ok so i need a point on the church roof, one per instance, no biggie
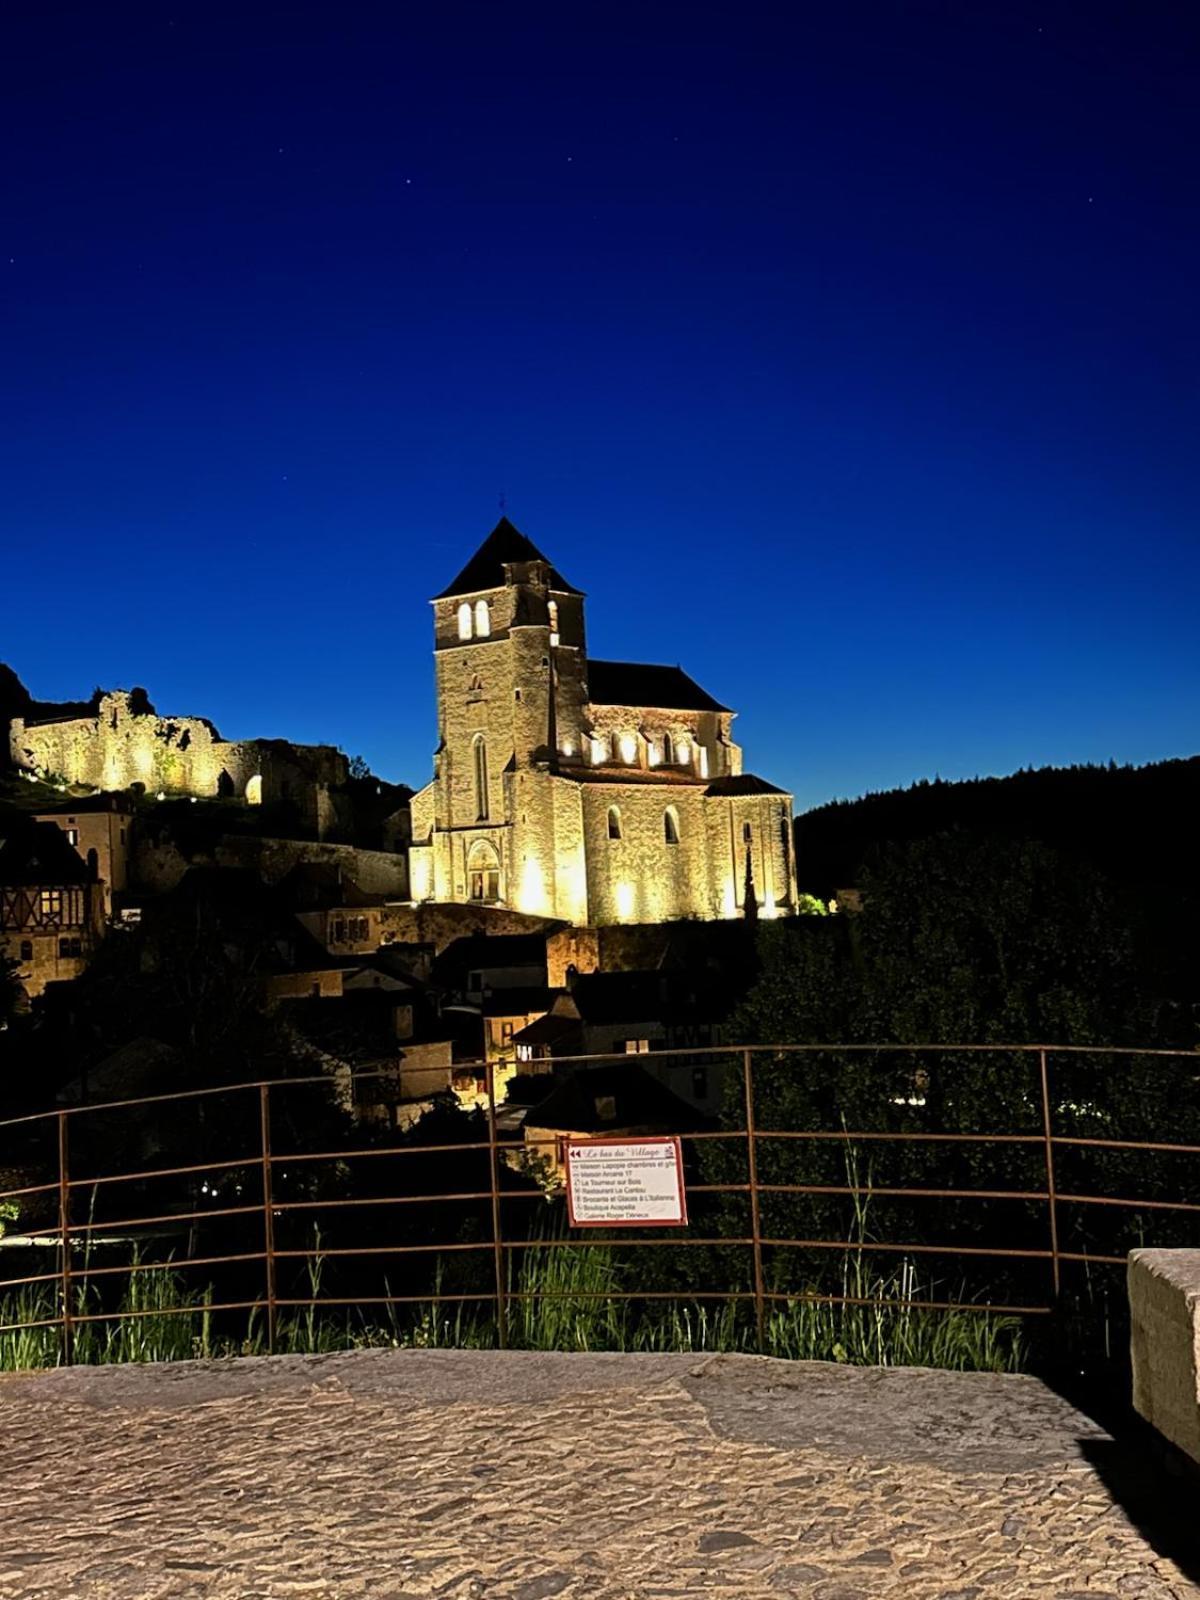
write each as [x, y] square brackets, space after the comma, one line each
[485, 570]
[743, 783]
[638, 683]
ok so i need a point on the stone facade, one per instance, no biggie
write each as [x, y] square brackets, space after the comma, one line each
[593, 792]
[126, 745]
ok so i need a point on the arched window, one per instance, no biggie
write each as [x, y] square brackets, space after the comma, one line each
[671, 825]
[552, 610]
[668, 750]
[464, 620]
[614, 822]
[483, 619]
[483, 873]
[600, 748]
[702, 752]
[479, 754]
[683, 752]
[254, 790]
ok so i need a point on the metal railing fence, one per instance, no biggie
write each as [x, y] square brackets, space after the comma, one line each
[54, 1145]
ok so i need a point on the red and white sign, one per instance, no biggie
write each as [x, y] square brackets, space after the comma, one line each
[625, 1183]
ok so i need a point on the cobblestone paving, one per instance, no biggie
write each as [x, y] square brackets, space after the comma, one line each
[397, 1475]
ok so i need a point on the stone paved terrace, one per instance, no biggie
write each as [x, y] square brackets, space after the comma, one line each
[394, 1475]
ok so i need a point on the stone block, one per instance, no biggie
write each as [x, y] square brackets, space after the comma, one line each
[1164, 1308]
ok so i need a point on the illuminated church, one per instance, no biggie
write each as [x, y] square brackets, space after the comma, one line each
[592, 791]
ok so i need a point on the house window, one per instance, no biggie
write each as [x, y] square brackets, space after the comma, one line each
[479, 751]
[337, 933]
[72, 835]
[637, 1047]
[614, 822]
[50, 905]
[464, 620]
[668, 750]
[70, 947]
[671, 825]
[26, 949]
[483, 619]
[552, 609]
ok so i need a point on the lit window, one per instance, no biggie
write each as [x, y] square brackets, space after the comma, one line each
[464, 620]
[653, 753]
[599, 749]
[72, 835]
[671, 825]
[628, 748]
[552, 609]
[702, 752]
[683, 752]
[614, 822]
[483, 620]
[637, 1047]
[50, 904]
[479, 748]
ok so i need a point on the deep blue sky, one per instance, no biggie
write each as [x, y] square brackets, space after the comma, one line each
[847, 354]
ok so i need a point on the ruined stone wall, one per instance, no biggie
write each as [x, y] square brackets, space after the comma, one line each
[127, 745]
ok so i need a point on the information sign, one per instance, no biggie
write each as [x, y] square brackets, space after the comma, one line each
[625, 1183]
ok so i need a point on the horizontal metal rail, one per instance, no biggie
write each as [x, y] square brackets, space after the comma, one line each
[77, 1281]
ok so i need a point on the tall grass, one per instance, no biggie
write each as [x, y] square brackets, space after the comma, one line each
[558, 1299]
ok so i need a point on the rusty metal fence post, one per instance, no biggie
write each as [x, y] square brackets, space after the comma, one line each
[264, 1111]
[64, 1229]
[755, 1225]
[1051, 1192]
[497, 1235]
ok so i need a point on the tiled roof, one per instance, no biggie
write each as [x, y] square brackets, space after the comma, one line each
[485, 570]
[33, 853]
[744, 783]
[605, 1099]
[639, 683]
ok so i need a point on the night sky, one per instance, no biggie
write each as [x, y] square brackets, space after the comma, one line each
[847, 354]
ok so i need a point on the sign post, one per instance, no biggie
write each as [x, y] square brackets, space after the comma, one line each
[626, 1183]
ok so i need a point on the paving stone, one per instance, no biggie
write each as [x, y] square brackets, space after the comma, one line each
[443, 1475]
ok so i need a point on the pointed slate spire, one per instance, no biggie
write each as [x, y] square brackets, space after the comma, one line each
[485, 570]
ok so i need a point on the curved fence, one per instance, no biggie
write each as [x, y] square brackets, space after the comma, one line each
[1006, 1181]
